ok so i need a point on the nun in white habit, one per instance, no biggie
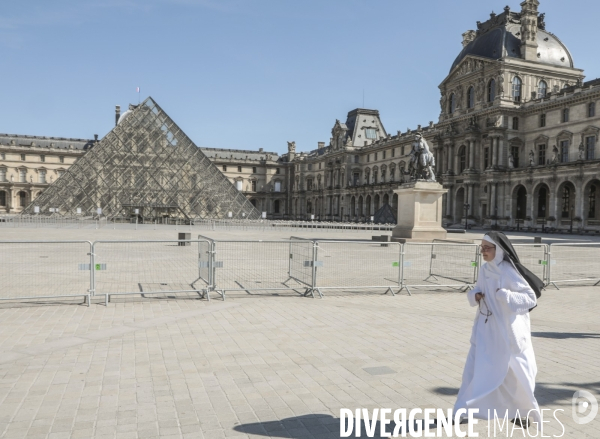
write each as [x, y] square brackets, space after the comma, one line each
[500, 370]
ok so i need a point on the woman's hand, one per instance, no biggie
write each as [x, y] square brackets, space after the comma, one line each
[479, 296]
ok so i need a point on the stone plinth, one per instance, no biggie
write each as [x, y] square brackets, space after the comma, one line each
[420, 211]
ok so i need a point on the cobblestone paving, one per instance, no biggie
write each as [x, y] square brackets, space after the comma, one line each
[264, 365]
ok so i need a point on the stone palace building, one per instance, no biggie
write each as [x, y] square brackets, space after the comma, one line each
[514, 144]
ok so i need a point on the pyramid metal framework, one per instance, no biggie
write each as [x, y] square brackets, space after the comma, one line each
[147, 163]
[385, 215]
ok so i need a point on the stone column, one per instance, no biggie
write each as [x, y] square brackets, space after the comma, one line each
[579, 201]
[529, 209]
[449, 202]
[446, 158]
[451, 158]
[552, 207]
[471, 189]
[493, 200]
[501, 154]
[471, 154]
[494, 152]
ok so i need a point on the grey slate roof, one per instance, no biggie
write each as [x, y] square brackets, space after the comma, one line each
[46, 142]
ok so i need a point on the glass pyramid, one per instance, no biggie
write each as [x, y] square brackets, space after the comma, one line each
[147, 163]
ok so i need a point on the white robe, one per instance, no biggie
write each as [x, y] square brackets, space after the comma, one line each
[500, 370]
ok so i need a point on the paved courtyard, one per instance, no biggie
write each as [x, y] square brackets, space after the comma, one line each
[262, 365]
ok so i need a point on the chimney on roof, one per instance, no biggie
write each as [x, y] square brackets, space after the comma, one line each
[95, 137]
[320, 145]
[117, 114]
[260, 150]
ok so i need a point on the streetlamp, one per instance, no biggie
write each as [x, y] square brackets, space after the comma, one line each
[571, 227]
[467, 206]
[544, 216]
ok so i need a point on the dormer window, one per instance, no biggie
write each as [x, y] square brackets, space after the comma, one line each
[370, 133]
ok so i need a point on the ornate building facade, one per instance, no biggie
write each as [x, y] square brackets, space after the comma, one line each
[515, 144]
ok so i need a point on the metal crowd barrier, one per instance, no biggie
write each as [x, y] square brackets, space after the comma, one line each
[52, 269]
[574, 262]
[148, 267]
[257, 266]
[42, 269]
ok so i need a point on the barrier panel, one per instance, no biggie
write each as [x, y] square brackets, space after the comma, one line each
[535, 258]
[357, 265]
[45, 269]
[439, 265]
[261, 266]
[579, 262]
[148, 267]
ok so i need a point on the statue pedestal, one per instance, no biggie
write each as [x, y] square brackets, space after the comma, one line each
[420, 211]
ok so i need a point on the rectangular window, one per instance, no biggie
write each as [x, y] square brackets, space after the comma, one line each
[543, 120]
[239, 185]
[368, 158]
[356, 159]
[486, 158]
[276, 170]
[43, 158]
[254, 169]
[393, 152]
[61, 158]
[375, 156]
[253, 185]
[224, 167]
[515, 153]
[384, 154]
[22, 176]
[590, 143]
[402, 151]
[356, 177]
[2, 156]
[42, 175]
[542, 154]
[22, 157]
[564, 151]
[515, 123]
[565, 115]
[310, 166]
[309, 184]
[239, 169]
[2, 198]
[319, 165]
[370, 133]
[591, 109]
[2, 174]
[277, 186]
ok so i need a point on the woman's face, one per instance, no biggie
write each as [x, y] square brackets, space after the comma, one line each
[488, 250]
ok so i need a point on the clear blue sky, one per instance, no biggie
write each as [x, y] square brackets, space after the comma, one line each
[245, 74]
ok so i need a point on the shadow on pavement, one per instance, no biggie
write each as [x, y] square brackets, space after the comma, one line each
[565, 335]
[315, 425]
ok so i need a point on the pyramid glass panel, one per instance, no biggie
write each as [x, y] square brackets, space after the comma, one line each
[147, 163]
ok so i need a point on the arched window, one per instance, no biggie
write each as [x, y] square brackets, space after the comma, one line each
[591, 202]
[566, 202]
[491, 90]
[542, 88]
[452, 104]
[2, 198]
[22, 199]
[471, 97]
[276, 206]
[516, 89]
[542, 198]
[462, 157]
